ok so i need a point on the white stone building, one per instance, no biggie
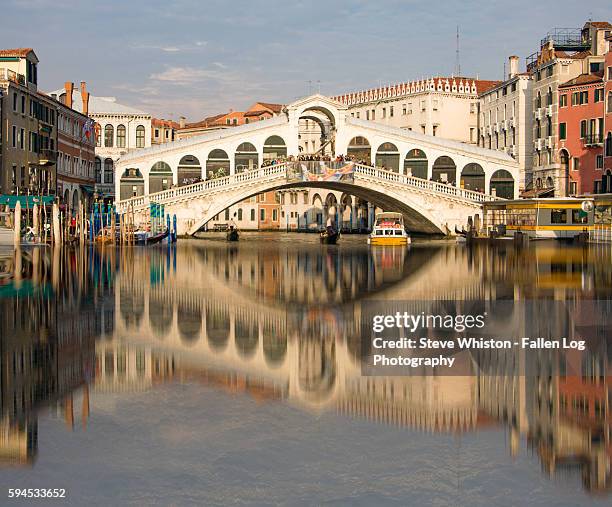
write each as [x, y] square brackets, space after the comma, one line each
[119, 130]
[505, 115]
[442, 106]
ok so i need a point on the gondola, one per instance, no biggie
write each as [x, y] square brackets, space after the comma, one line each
[330, 238]
[461, 232]
[232, 235]
[151, 240]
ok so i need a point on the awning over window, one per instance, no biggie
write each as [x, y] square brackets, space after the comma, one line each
[27, 201]
[88, 189]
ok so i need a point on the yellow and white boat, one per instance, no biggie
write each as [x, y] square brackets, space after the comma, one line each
[389, 230]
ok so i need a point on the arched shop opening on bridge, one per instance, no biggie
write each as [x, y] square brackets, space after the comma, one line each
[444, 170]
[359, 148]
[217, 164]
[502, 184]
[160, 177]
[415, 164]
[387, 157]
[189, 170]
[131, 184]
[246, 158]
[274, 147]
[473, 178]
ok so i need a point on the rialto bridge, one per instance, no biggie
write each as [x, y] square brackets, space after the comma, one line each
[436, 183]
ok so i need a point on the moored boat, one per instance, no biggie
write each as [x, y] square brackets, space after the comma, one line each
[389, 230]
[330, 237]
[232, 235]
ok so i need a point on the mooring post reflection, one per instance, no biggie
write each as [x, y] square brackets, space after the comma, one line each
[283, 323]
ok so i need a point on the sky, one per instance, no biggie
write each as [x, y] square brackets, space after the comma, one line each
[197, 58]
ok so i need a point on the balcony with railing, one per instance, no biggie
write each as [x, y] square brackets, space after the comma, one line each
[593, 139]
[47, 157]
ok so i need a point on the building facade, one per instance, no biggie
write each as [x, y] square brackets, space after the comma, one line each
[581, 133]
[28, 127]
[442, 106]
[162, 131]
[76, 154]
[564, 54]
[118, 130]
[505, 113]
[606, 184]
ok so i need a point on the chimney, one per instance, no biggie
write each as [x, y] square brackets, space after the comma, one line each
[182, 122]
[513, 66]
[69, 87]
[85, 98]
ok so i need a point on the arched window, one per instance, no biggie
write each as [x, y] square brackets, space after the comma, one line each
[217, 164]
[549, 97]
[121, 136]
[387, 157]
[274, 147]
[108, 171]
[246, 157]
[189, 170]
[473, 178]
[98, 170]
[131, 184]
[539, 100]
[444, 170]
[140, 136]
[609, 145]
[610, 102]
[239, 213]
[108, 136]
[502, 184]
[415, 164]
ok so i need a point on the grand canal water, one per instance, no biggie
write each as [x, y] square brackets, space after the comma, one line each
[215, 374]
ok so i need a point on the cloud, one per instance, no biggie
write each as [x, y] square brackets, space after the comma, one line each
[171, 48]
[190, 75]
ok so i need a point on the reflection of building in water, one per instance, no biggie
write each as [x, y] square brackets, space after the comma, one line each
[559, 399]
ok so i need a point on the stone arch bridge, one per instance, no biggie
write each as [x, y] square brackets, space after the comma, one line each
[436, 183]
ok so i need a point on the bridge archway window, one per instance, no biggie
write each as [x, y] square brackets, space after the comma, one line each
[387, 157]
[473, 177]
[359, 148]
[217, 164]
[131, 184]
[502, 184]
[274, 147]
[160, 177]
[415, 164]
[246, 158]
[189, 323]
[444, 170]
[189, 171]
[217, 328]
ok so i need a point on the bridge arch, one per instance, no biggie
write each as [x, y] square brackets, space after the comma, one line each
[189, 170]
[360, 149]
[387, 156]
[415, 163]
[502, 184]
[473, 177]
[246, 157]
[274, 147]
[217, 164]
[131, 183]
[160, 177]
[444, 170]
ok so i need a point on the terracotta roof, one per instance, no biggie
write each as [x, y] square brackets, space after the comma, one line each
[583, 79]
[277, 108]
[574, 56]
[206, 122]
[160, 122]
[256, 112]
[600, 24]
[18, 52]
[483, 86]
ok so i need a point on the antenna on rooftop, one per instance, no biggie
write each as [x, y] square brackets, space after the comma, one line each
[457, 61]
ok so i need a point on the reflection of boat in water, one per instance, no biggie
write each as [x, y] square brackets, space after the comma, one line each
[6, 236]
[330, 237]
[389, 230]
[232, 235]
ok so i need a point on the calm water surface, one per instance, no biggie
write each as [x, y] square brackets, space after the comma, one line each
[229, 374]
